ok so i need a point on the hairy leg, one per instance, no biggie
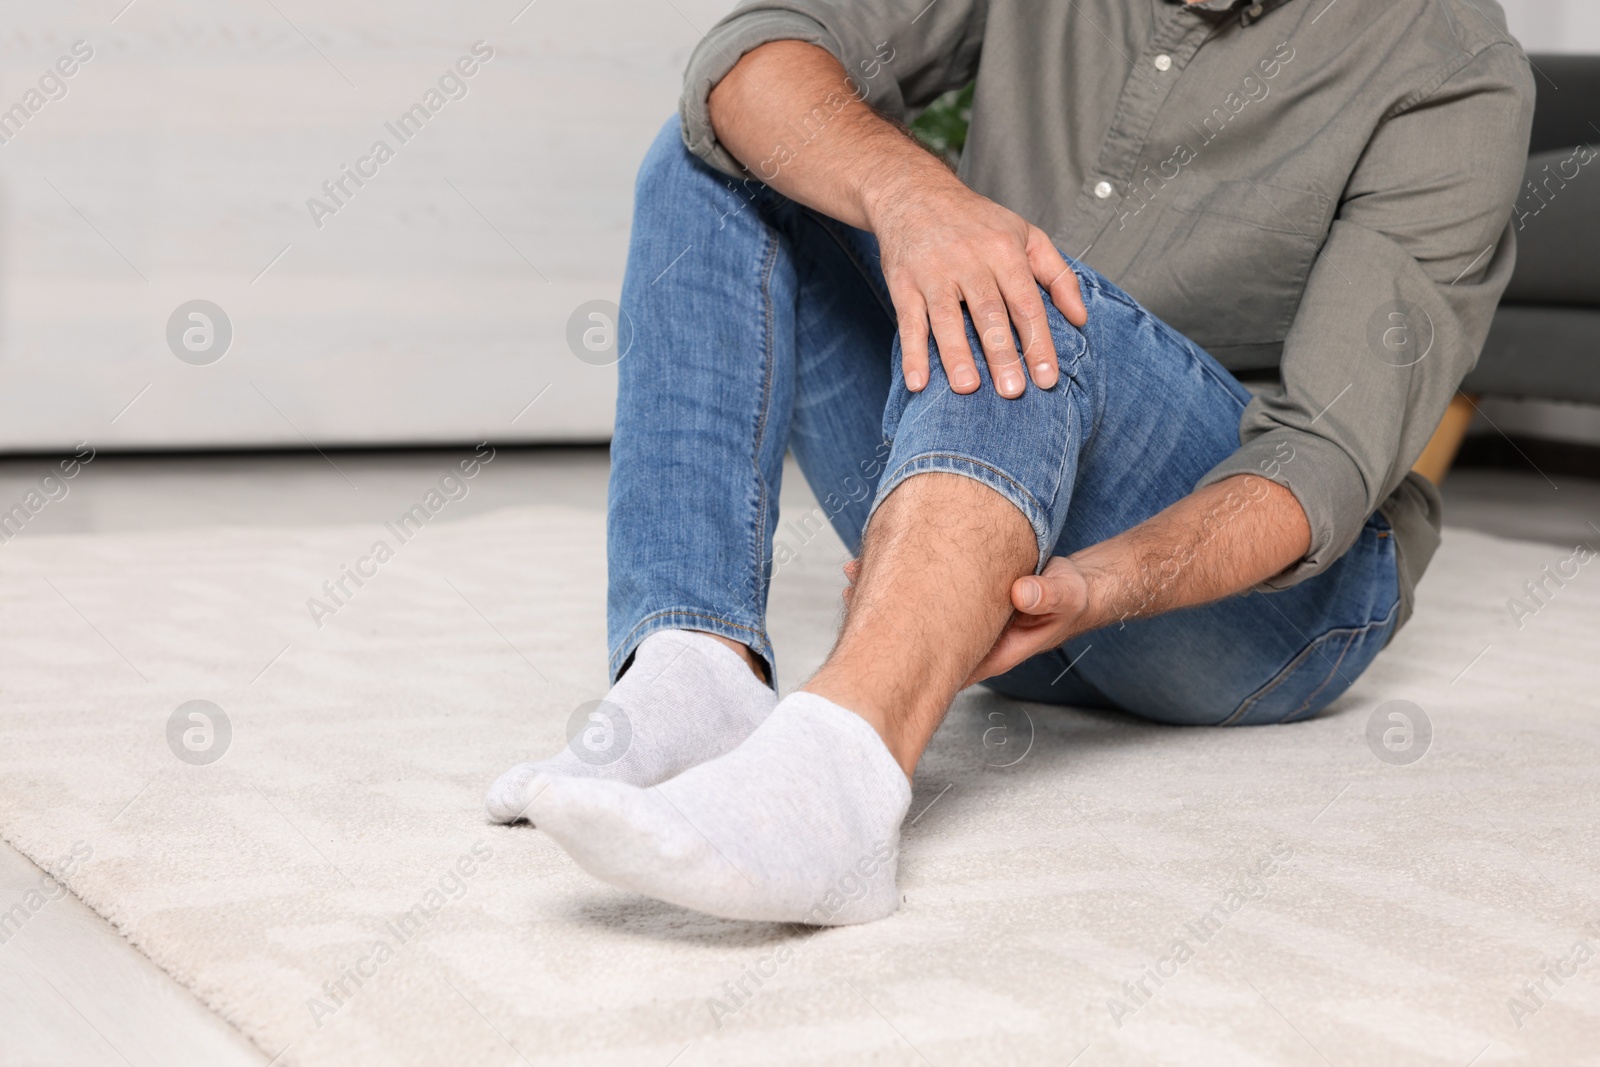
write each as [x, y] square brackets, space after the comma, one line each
[801, 823]
[932, 595]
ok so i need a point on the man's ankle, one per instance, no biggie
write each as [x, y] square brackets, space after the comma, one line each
[891, 728]
[757, 665]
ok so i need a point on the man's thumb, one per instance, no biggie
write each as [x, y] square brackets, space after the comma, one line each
[1032, 594]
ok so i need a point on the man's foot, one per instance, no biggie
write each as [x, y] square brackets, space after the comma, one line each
[686, 699]
[801, 823]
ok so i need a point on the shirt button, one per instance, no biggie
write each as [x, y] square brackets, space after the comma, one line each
[1255, 12]
[1102, 190]
[1163, 63]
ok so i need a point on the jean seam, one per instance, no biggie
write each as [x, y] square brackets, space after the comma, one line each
[758, 562]
[1352, 632]
[1349, 641]
[1067, 452]
[1283, 675]
[617, 657]
[1099, 402]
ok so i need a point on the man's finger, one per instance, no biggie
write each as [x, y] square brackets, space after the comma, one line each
[1036, 594]
[1056, 277]
[1013, 646]
[1060, 589]
[993, 324]
[950, 331]
[1027, 311]
[913, 323]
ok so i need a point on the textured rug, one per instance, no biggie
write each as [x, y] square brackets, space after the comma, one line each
[1396, 883]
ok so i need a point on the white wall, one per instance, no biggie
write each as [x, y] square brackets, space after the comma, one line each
[1554, 25]
[178, 166]
[433, 306]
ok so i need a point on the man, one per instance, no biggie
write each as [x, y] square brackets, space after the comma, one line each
[1072, 496]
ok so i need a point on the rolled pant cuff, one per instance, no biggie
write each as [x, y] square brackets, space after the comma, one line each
[980, 471]
[753, 636]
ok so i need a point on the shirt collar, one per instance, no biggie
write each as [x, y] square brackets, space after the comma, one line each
[1254, 10]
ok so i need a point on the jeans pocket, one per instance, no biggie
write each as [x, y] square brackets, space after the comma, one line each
[1317, 676]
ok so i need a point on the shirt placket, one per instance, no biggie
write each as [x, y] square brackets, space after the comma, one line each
[1175, 38]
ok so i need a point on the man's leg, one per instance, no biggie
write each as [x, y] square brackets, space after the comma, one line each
[801, 823]
[751, 325]
[932, 595]
[1170, 414]
[755, 327]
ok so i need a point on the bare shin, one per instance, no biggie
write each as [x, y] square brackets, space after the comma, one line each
[933, 593]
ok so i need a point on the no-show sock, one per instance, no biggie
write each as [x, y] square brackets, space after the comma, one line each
[801, 823]
[686, 699]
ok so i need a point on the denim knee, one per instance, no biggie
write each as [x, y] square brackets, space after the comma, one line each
[1026, 448]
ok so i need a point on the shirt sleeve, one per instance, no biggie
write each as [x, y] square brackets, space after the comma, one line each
[902, 53]
[1397, 305]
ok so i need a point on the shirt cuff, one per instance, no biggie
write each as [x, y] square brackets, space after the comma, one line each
[717, 54]
[1322, 477]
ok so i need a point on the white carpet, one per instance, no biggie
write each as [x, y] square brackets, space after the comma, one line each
[1415, 902]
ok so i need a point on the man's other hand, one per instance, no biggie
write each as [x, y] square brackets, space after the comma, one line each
[943, 246]
[1051, 608]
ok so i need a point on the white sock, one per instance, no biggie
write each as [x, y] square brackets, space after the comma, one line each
[801, 823]
[687, 698]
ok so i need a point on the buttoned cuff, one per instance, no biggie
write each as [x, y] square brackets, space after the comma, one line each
[1322, 477]
[717, 54]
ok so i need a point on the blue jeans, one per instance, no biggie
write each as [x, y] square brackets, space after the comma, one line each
[761, 327]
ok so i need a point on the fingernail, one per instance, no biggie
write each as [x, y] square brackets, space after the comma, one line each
[1031, 594]
[1044, 374]
[914, 381]
[965, 379]
[1011, 383]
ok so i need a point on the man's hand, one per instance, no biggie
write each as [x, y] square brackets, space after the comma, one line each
[942, 244]
[1215, 542]
[1052, 608]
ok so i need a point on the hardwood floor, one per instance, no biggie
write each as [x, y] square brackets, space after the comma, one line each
[73, 992]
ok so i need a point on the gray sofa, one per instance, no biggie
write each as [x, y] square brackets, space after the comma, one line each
[1545, 340]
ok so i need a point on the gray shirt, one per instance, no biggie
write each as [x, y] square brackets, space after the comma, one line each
[1320, 188]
